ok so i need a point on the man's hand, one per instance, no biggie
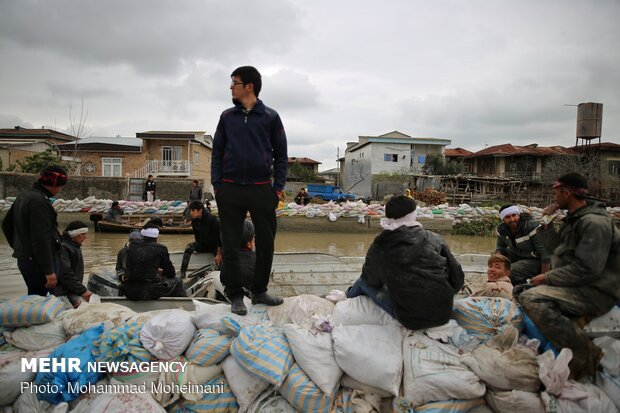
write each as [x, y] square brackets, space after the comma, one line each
[51, 281]
[281, 195]
[218, 259]
[86, 295]
[540, 279]
[544, 267]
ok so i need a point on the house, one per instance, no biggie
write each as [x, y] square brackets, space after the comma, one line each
[609, 163]
[19, 143]
[390, 153]
[310, 164]
[173, 153]
[512, 161]
[331, 175]
[103, 158]
[459, 155]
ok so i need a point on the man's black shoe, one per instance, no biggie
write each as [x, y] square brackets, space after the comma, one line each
[267, 299]
[237, 306]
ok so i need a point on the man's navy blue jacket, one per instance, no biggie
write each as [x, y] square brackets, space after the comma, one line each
[247, 145]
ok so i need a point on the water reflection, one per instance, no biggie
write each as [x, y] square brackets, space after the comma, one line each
[101, 248]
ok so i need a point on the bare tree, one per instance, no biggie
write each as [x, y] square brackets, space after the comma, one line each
[77, 127]
[584, 161]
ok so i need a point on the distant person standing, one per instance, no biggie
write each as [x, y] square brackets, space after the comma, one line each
[71, 269]
[249, 144]
[31, 228]
[195, 194]
[149, 189]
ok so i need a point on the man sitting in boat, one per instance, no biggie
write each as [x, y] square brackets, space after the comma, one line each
[114, 213]
[206, 229]
[584, 280]
[149, 273]
[518, 240]
[409, 271]
[71, 267]
[121, 257]
[247, 255]
[498, 279]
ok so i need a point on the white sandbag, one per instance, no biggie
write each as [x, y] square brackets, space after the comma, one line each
[314, 352]
[610, 385]
[515, 401]
[37, 337]
[595, 400]
[30, 310]
[300, 310]
[210, 315]
[351, 383]
[167, 335]
[503, 364]
[611, 354]
[88, 315]
[361, 310]
[172, 386]
[270, 402]
[371, 354]
[27, 402]
[435, 372]
[11, 374]
[608, 324]
[245, 386]
[124, 402]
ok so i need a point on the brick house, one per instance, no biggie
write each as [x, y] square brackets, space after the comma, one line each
[104, 159]
[19, 143]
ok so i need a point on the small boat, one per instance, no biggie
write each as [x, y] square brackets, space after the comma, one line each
[171, 223]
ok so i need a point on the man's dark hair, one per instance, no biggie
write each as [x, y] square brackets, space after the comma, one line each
[196, 205]
[248, 233]
[195, 181]
[398, 206]
[500, 258]
[150, 176]
[249, 74]
[154, 223]
[575, 180]
[115, 203]
[73, 225]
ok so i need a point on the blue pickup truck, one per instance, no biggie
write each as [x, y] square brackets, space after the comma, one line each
[330, 193]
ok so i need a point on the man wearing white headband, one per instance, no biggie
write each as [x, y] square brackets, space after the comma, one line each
[71, 268]
[149, 273]
[518, 240]
[409, 272]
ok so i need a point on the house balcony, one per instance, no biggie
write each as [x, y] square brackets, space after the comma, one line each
[164, 168]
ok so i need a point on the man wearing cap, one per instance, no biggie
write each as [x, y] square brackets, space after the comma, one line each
[584, 280]
[518, 240]
[149, 273]
[71, 268]
[31, 228]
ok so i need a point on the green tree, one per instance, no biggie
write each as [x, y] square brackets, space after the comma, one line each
[303, 174]
[436, 164]
[34, 163]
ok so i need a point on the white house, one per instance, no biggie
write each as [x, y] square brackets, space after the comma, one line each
[393, 152]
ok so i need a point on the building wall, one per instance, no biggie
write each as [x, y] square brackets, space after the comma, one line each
[131, 161]
[201, 164]
[153, 151]
[357, 171]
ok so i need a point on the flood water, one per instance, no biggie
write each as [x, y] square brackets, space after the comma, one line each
[100, 249]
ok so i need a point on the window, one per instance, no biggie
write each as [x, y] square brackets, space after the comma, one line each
[390, 157]
[112, 166]
[422, 159]
[614, 168]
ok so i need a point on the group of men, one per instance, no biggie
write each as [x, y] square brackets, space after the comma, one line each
[409, 272]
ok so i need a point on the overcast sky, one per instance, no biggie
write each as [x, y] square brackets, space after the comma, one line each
[476, 72]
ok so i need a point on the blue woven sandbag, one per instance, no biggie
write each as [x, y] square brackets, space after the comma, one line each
[483, 317]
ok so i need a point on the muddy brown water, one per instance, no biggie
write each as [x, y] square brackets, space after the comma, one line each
[100, 249]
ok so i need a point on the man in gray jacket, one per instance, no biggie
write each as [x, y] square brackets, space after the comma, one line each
[71, 268]
[584, 280]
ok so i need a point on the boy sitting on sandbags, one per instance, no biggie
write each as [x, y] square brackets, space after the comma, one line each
[409, 271]
[498, 279]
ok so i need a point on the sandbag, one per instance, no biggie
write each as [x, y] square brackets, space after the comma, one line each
[245, 386]
[515, 401]
[483, 317]
[435, 372]
[27, 402]
[124, 402]
[371, 354]
[610, 385]
[167, 335]
[211, 315]
[300, 310]
[270, 402]
[37, 337]
[314, 352]
[402, 405]
[608, 324]
[503, 364]
[121, 343]
[611, 354]
[263, 351]
[361, 310]
[356, 401]
[11, 374]
[171, 386]
[30, 310]
[303, 394]
[88, 315]
[2, 331]
[351, 383]
[595, 400]
[208, 347]
[221, 399]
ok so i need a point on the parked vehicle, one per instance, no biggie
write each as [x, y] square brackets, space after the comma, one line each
[330, 193]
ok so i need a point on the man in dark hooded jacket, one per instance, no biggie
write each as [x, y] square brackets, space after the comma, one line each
[409, 271]
[145, 261]
[71, 268]
[206, 228]
[584, 280]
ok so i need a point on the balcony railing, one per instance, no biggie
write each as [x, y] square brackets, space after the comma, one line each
[164, 168]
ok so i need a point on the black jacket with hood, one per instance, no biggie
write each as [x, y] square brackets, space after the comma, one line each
[142, 280]
[71, 268]
[421, 275]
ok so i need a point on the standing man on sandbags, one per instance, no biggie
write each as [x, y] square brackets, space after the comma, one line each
[31, 228]
[584, 280]
[150, 186]
[249, 144]
[518, 240]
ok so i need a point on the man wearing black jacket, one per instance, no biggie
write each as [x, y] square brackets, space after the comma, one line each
[149, 273]
[206, 229]
[249, 149]
[71, 268]
[409, 271]
[31, 228]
